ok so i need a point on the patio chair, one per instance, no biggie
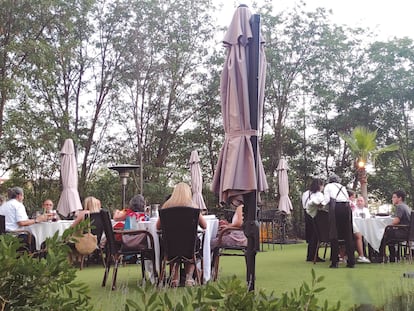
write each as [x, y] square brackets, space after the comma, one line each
[180, 240]
[115, 250]
[321, 225]
[222, 250]
[405, 239]
[29, 240]
[97, 229]
[2, 224]
[268, 220]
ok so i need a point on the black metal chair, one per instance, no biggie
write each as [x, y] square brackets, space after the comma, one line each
[403, 236]
[2, 224]
[270, 223]
[115, 250]
[97, 229]
[24, 235]
[180, 239]
[222, 250]
[321, 225]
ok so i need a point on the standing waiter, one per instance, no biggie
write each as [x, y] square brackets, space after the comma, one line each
[340, 220]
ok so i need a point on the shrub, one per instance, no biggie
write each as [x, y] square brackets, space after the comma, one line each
[231, 294]
[29, 283]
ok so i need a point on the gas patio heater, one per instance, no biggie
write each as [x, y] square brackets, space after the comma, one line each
[123, 171]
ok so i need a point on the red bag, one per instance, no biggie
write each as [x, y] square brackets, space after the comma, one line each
[118, 226]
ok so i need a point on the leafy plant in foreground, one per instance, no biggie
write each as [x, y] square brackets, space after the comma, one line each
[230, 294]
[29, 283]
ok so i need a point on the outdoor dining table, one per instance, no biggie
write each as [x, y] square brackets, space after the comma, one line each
[43, 230]
[372, 229]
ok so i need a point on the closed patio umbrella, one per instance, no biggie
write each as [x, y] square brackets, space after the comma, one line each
[239, 170]
[69, 200]
[197, 180]
[285, 205]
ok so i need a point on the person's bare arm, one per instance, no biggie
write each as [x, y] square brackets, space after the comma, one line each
[29, 222]
[79, 218]
[396, 221]
[237, 220]
[202, 222]
[120, 215]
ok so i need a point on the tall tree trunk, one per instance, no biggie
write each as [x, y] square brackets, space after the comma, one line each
[363, 181]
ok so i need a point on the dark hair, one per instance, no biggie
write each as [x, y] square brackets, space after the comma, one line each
[12, 193]
[315, 185]
[351, 193]
[400, 193]
[137, 203]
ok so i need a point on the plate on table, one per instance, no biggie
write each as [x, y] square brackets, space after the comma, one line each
[382, 215]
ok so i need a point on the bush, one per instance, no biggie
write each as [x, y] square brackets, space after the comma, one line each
[29, 283]
[230, 294]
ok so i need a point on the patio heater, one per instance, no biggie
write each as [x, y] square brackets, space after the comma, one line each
[123, 171]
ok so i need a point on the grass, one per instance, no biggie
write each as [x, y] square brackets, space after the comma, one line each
[278, 270]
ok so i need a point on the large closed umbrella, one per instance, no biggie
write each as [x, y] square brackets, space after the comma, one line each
[69, 200]
[285, 205]
[197, 180]
[239, 169]
[235, 171]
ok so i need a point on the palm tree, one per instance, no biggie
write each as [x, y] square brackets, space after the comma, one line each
[363, 146]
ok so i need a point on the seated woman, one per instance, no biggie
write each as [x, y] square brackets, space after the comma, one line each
[136, 204]
[182, 196]
[91, 209]
[91, 205]
[233, 237]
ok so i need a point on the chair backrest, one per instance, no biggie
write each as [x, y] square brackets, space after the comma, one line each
[179, 231]
[2, 224]
[321, 224]
[411, 230]
[96, 224]
[109, 232]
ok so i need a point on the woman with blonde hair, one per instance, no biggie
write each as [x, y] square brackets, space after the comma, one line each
[91, 205]
[182, 196]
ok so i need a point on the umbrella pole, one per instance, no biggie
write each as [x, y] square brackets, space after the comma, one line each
[251, 230]
[251, 226]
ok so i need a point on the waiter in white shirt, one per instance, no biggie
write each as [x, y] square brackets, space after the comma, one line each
[341, 219]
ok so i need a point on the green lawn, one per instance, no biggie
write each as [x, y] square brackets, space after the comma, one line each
[277, 270]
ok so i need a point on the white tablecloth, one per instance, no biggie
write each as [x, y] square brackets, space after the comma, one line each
[43, 230]
[210, 233]
[372, 229]
[151, 227]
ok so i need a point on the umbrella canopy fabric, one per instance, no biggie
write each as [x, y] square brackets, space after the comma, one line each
[235, 172]
[69, 200]
[196, 180]
[285, 205]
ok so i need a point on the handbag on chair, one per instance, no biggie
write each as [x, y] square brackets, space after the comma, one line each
[87, 243]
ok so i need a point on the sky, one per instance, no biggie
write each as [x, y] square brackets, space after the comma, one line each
[386, 18]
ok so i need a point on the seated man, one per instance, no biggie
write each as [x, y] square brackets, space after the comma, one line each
[16, 216]
[47, 207]
[401, 217]
[360, 211]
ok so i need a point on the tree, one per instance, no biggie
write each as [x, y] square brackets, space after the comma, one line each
[362, 144]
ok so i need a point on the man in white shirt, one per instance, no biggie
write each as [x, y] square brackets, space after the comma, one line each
[16, 216]
[340, 219]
